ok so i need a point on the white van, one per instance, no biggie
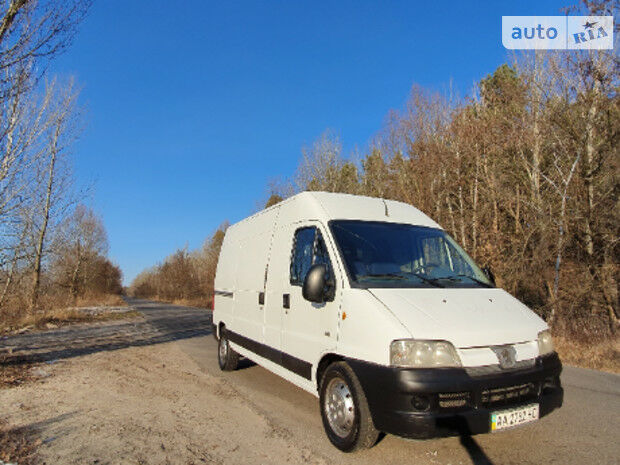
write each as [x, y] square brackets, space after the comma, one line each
[371, 306]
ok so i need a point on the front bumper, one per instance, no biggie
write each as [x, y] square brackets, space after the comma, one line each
[425, 403]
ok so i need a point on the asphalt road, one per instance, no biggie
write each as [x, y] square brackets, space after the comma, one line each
[586, 430]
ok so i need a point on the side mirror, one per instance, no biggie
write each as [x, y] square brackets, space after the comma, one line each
[489, 274]
[315, 283]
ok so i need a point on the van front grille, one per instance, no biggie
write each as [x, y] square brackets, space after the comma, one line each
[454, 400]
[509, 394]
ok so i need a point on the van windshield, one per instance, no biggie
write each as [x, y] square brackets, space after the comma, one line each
[379, 254]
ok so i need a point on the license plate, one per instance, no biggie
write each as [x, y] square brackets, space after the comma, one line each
[510, 418]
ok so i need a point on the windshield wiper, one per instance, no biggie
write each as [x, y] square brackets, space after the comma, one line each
[399, 276]
[462, 275]
[383, 275]
[431, 281]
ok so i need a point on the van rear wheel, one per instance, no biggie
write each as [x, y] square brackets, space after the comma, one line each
[227, 358]
[344, 410]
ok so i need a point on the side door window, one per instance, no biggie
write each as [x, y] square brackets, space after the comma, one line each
[308, 249]
[303, 250]
[321, 256]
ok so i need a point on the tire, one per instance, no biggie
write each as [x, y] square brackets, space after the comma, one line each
[227, 358]
[344, 410]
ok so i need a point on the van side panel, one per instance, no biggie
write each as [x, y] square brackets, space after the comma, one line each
[248, 319]
[277, 286]
[225, 278]
[254, 238]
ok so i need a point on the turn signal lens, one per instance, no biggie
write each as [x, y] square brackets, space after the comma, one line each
[423, 354]
[545, 343]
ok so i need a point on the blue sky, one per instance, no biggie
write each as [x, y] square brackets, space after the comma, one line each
[192, 107]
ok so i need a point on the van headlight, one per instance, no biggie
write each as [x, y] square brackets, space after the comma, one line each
[545, 343]
[423, 354]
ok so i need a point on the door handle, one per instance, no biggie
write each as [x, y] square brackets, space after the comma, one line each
[286, 300]
[261, 298]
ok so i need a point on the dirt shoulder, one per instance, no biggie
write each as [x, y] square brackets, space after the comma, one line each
[142, 405]
[76, 332]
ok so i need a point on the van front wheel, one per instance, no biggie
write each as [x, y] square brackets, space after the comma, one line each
[344, 409]
[227, 358]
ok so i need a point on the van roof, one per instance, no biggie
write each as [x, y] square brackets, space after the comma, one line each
[326, 206]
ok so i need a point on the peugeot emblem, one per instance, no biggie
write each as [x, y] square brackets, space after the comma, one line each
[506, 355]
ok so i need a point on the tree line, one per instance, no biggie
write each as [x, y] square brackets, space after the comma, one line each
[523, 173]
[52, 248]
[185, 276]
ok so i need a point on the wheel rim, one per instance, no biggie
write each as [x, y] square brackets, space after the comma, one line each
[223, 349]
[339, 407]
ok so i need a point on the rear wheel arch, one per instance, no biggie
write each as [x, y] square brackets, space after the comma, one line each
[220, 327]
[227, 358]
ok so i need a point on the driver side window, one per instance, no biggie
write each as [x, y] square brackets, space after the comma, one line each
[301, 259]
[308, 249]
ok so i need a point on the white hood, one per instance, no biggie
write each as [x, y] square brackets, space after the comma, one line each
[466, 317]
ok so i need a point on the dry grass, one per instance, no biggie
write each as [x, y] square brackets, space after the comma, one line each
[197, 302]
[55, 317]
[14, 375]
[108, 300]
[201, 302]
[603, 356]
[17, 445]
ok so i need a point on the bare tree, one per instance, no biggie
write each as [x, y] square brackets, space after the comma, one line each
[323, 168]
[185, 276]
[561, 186]
[31, 33]
[24, 118]
[55, 185]
[34, 31]
[80, 241]
[36, 128]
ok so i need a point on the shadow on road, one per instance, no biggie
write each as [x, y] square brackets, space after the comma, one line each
[477, 455]
[162, 323]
